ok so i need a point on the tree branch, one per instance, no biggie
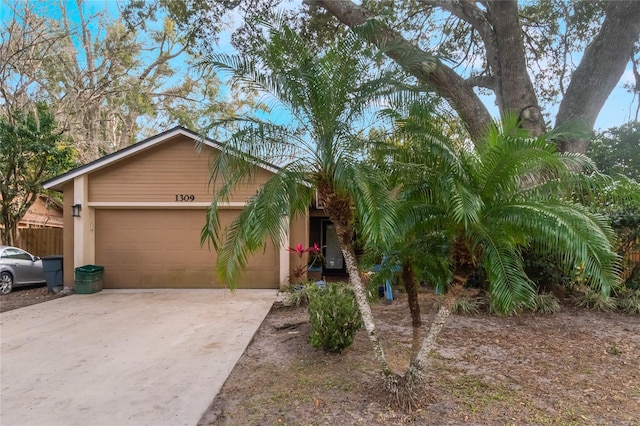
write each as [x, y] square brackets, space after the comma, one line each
[443, 79]
[600, 69]
[488, 82]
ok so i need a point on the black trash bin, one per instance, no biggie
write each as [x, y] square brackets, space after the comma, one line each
[88, 279]
[53, 272]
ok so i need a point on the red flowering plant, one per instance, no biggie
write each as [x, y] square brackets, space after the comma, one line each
[315, 256]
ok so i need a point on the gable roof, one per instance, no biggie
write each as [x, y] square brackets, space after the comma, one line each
[57, 182]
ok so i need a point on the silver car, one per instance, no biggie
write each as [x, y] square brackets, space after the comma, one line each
[17, 267]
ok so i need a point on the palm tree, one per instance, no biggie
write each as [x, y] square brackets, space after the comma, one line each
[490, 203]
[509, 194]
[329, 96]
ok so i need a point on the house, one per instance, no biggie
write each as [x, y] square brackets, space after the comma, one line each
[139, 213]
[44, 212]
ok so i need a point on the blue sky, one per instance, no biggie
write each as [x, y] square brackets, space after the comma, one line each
[620, 107]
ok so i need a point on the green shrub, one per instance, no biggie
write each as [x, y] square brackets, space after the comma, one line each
[300, 295]
[466, 306]
[546, 303]
[633, 281]
[546, 271]
[629, 301]
[334, 316]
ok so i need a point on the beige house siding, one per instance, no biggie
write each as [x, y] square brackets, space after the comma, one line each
[68, 235]
[164, 174]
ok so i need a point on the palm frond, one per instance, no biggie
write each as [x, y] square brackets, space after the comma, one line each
[464, 204]
[510, 288]
[263, 220]
[260, 141]
[375, 205]
[582, 238]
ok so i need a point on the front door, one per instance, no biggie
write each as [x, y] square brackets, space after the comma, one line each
[334, 262]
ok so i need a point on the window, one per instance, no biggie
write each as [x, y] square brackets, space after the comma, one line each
[12, 253]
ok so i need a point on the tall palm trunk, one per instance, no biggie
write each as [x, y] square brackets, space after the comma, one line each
[339, 209]
[411, 287]
[403, 387]
[390, 378]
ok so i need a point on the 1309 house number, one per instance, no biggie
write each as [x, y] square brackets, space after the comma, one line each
[185, 197]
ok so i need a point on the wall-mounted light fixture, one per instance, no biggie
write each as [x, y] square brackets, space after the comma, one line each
[75, 210]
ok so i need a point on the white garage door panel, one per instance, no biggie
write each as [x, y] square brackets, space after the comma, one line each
[161, 249]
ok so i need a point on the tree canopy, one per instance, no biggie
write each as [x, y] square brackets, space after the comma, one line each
[531, 56]
[108, 83]
[511, 39]
[32, 149]
[617, 150]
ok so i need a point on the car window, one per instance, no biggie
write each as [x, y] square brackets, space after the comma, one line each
[12, 253]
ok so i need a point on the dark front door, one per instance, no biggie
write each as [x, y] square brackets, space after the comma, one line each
[334, 262]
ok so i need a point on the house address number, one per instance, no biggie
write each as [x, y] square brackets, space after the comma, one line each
[185, 197]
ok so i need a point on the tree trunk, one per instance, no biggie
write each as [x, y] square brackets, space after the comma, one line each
[601, 66]
[6, 234]
[338, 208]
[411, 287]
[600, 69]
[415, 372]
[514, 89]
[366, 313]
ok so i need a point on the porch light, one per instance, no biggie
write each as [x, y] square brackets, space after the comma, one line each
[75, 210]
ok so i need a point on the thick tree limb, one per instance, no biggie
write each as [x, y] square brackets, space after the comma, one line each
[443, 79]
[514, 89]
[600, 69]
[474, 16]
[482, 81]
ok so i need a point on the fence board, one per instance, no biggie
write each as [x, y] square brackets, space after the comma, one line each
[41, 241]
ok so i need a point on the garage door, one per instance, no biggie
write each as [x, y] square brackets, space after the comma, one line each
[161, 249]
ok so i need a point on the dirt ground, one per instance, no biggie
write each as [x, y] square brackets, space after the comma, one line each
[576, 367]
[25, 296]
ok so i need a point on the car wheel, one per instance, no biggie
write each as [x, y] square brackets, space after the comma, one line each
[6, 283]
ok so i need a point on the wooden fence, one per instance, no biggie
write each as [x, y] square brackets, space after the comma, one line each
[41, 241]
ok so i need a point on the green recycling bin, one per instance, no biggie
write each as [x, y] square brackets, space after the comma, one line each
[88, 279]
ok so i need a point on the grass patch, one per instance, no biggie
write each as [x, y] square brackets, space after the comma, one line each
[629, 302]
[466, 306]
[595, 301]
[546, 303]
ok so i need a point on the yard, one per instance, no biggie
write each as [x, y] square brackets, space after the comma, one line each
[25, 296]
[574, 367]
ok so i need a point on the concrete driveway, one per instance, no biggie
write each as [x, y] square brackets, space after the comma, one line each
[124, 357]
